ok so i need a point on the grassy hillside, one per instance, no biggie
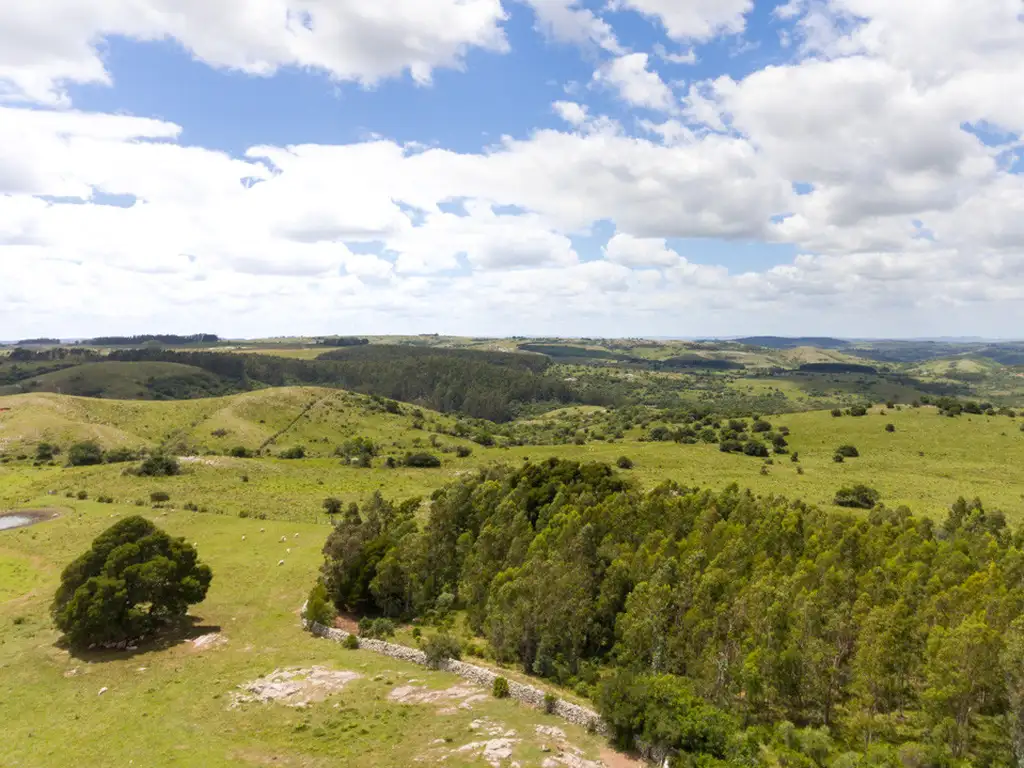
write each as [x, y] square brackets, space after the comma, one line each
[131, 380]
[926, 463]
[172, 705]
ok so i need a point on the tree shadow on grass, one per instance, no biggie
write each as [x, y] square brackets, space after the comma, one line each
[184, 630]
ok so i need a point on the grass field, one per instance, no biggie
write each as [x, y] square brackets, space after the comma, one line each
[926, 463]
[170, 706]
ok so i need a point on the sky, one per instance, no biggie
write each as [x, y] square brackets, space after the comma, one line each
[612, 168]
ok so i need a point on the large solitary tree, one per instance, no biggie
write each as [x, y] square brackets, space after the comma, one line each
[132, 580]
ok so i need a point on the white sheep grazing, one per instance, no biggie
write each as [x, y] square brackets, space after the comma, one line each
[284, 539]
[263, 530]
[243, 538]
[280, 562]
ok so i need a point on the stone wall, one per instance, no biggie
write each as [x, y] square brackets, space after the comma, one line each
[527, 694]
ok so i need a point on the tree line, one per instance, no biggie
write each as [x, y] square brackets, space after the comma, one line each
[484, 385]
[707, 622]
[159, 338]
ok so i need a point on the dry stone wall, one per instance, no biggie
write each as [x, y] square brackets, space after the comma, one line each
[527, 694]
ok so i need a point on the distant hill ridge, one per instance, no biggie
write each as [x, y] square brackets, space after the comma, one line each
[784, 342]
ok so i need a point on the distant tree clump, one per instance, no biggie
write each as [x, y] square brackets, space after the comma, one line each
[421, 460]
[120, 456]
[85, 454]
[836, 412]
[46, 451]
[848, 451]
[159, 465]
[295, 452]
[755, 448]
[132, 580]
[859, 496]
[332, 508]
[463, 451]
[859, 410]
[624, 462]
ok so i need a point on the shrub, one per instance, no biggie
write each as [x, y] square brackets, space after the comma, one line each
[859, 496]
[245, 478]
[890, 404]
[624, 462]
[838, 458]
[120, 456]
[500, 688]
[95, 605]
[890, 427]
[240, 452]
[318, 607]
[159, 497]
[351, 642]
[82, 495]
[46, 451]
[795, 458]
[848, 451]
[85, 454]
[550, 700]
[463, 451]
[858, 410]
[760, 426]
[730, 446]
[422, 460]
[836, 413]
[440, 648]
[376, 628]
[160, 465]
[755, 448]
[296, 452]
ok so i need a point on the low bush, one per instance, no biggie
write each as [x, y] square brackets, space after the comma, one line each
[859, 496]
[85, 454]
[440, 648]
[296, 452]
[463, 451]
[858, 410]
[240, 452]
[318, 606]
[159, 497]
[550, 701]
[849, 451]
[82, 495]
[836, 413]
[377, 629]
[160, 465]
[500, 688]
[351, 642]
[890, 427]
[120, 456]
[422, 460]
[624, 462]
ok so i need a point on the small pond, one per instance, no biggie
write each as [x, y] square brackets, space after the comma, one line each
[16, 521]
[28, 517]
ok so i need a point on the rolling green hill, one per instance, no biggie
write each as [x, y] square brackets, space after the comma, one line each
[127, 380]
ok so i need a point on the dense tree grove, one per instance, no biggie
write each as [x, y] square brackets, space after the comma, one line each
[749, 630]
[485, 385]
[148, 338]
[133, 579]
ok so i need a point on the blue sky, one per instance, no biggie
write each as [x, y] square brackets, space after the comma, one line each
[659, 167]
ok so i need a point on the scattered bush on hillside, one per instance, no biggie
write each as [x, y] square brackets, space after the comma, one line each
[849, 451]
[85, 454]
[332, 508]
[838, 458]
[159, 497]
[890, 427]
[550, 701]
[46, 451]
[351, 642]
[359, 451]
[377, 629]
[500, 688]
[730, 446]
[160, 465]
[624, 462]
[133, 580]
[463, 451]
[120, 456]
[795, 458]
[859, 496]
[82, 495]
[441, 647]
[858, 410]
[836, 412]
[422, 460]
[760, 426]
[240, 452]
[318, 606]
[755, 448]
[296, 452]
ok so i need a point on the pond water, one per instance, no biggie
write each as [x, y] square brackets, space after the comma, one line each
[16, 521]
